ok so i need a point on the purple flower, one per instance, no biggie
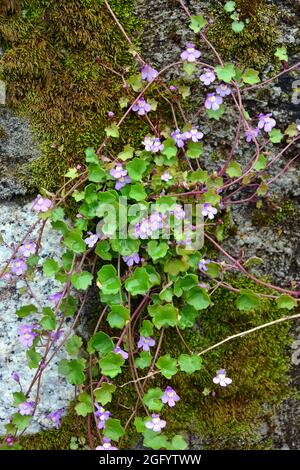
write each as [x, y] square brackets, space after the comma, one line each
[9, 440]
[26, 335]
[26, 408]
[202, 264]
[132, 259]
[178, 212]
[179, 137]
[56, 298]
[19, 267]
[122, 182]
[118, 171]
[106, 445]
[143, 229]
[156, 424]
[209, 211]
[41, 204]
[266, 122]
[102, 415]
[7, 276]
[207, 77]
[141, 107]
[27, 249]
[156, 221]
[152, 144]
[191, 53]
[213, 101]
[145, 343]
[148, 73]
[221, 378]
[172, 88]
[56, 335]
[118, 350]
[91, 240]
[110, 114]
[170, 397]
[166, 176]
[55, 417]
[223, 90]
[15, 376]
[251, 134]
[194, 134]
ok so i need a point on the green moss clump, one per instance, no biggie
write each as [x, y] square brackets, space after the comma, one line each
[53, 77]
[253, 47]
[278, 214]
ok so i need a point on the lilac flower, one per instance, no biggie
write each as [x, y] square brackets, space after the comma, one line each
[191, 53]
[102, 415]
[223, 90]
[118, 171]
[7, 276]
[209, 211]
[56, 335]
[110, 114]
[213, 101]
[148, 73]
[55, 417]
[221, 378]
[145, 343]
[106, 445]
[156, 221]
[266, 122]
[166, 176]
[156, 424]
[9, 440]
[132, 259]
[172, 88]
[170, 397]
[19, 267]
[194, 134]
[41, 204]
[122, 182]
[207, 77]
[120, 351]
[141, 107]
[178, 212]
[56, 298]
[202, 264]
[26, 408]
[179, 138]
[91, 240]
[153, 144]
[15, 376]
[26, 335]
[251, 134]
[143, 229]
[27, 249]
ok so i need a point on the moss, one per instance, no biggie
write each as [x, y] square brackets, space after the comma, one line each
[3, 132]
[53, 78]
[277, 214]
[255, 46]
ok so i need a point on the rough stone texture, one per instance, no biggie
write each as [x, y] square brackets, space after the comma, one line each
[15, 219]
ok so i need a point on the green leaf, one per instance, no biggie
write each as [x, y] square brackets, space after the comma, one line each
[226, 73]
[74, 242]
[84, 407]
[108, 280]
[125, 247]
[212, 197]
[170, 148]
[26, 310]
[57, 214]
[152, 399]
[146, 328]
[175, 266]
[113, 429]
[189, 364]
[197, 23]
[136, 168]
[167, 365]
[198, 298]
[185, 91]
[247, 300]
[69, 306]
[73, 345]
[177, 443]
[111, 364]
[50, 267]
[100, 342]
[215, 114]
[104, 393]
[91, 156]
[82, 281]
[103, 250]
[112, 131]
[126, 153]
[137, 192]
[96, 173]
[157, 250]
[135, 81]
[21, 422]
[200, 176]
[276, 136]
[234, 169]
[250, 76]
[229, 7]
[19, 397]
[187, 317]
[213, 269]
[164, 315]
[138, 283]
[194, 149]
[72, 173]
[34, 358]
[144, 359]
[123, 102]
[48, 321]
[281, 53]
[238, 26]
[73, 370]
[139, 424]
[155, 441]
[118, 316]
[286, 301]
[262, 189]
[261, 163]
[189, 68]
